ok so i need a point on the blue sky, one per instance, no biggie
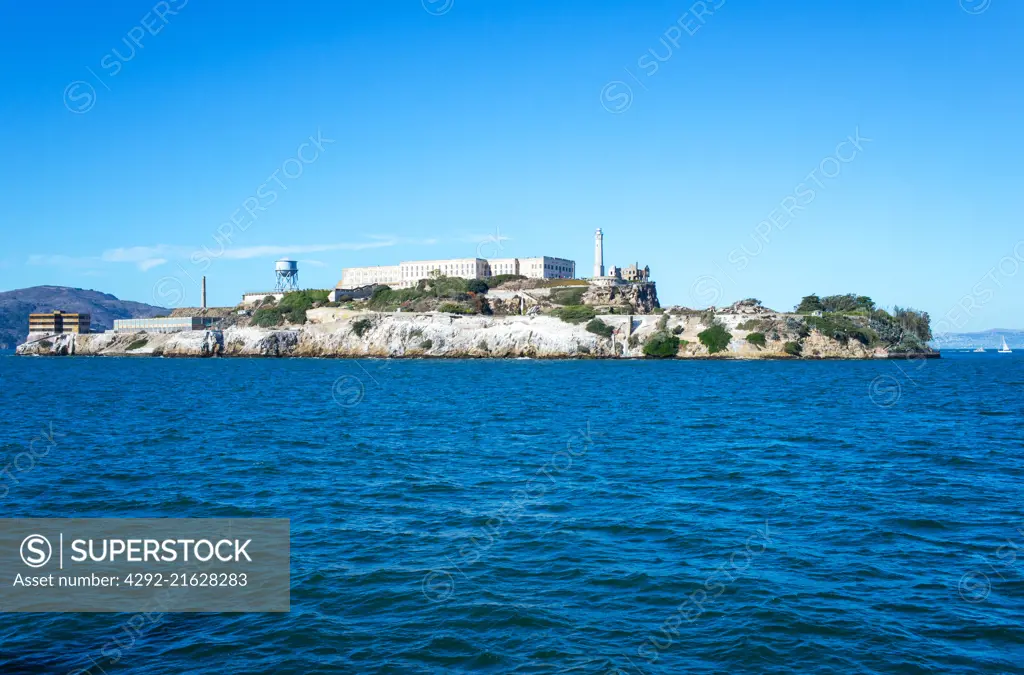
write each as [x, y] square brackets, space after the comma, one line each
[739, 148]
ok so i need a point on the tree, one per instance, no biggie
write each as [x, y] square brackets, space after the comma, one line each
[810, 303]
[716, 338]
[661, 345]
[477, 286]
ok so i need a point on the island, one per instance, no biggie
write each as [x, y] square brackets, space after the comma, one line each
[509, 316]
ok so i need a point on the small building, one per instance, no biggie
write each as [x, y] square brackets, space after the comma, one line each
[634, 273]
[256, 297]
[58, 322]
[164, 324]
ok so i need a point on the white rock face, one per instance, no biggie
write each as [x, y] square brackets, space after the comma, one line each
[441, 336]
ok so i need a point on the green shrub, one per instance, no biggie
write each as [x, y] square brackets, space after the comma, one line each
[575, 313]
[749, 324]
[634, 341]
[454, 308]
[661, 345]
[498, 280]
[360, 326]
[269, 299]
[426, 344]
[678, 330]
[757, 339]
[138, 344]
[416, 332]
[663, 322]
[568, 296]
[45, 344]
[477, 286]
[841, 328]
[267, 317]
[792, 348]
[482, 346]
[598, 327]
[810, 303]
[716, 338]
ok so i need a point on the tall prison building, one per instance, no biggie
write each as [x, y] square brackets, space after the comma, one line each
[408, 274]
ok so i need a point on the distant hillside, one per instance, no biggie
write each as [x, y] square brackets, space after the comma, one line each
[15, 306]
[989, 339]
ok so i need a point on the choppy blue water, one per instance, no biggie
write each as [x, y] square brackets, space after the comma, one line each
[451, 516]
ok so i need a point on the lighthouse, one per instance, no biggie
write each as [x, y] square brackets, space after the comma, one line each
[598, 253]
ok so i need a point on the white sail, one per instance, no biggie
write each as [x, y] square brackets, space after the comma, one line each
[1006, 348]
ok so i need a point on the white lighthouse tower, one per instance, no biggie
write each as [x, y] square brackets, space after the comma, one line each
[598, 253]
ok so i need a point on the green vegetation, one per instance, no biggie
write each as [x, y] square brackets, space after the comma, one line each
[45, 344]
[792, 348]
[360, 326]
[482, 346]
[678, 330]
[426, 344]
[416, 332]
[716, 338]
[661, 345]
[583, 349]
[477, 286]
[598, 327]
[468, 294]
[663, 322]
[498, 280]
[548, 283]
[757, 339]
[841, 328]
[568, 296]
[849, 303]
[138, 344]
[291, 308]
[575, 313]
[454, 308]
[749, 324]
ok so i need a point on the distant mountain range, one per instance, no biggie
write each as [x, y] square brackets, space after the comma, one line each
[989, 339]
[15, 306]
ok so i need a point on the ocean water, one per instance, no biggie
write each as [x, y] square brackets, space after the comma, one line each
[549, 517]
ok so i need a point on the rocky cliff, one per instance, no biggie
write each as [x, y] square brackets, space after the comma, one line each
[451, 336]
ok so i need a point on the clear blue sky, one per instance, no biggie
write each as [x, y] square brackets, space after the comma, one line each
[458, 120]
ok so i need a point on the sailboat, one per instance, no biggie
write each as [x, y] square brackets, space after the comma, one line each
[1006, 349]
[979, 350]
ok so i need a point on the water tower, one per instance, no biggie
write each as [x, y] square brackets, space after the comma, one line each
[287, 272]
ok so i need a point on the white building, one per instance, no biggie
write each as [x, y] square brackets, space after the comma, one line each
[408, 274]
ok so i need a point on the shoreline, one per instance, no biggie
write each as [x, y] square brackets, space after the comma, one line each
[443, 336]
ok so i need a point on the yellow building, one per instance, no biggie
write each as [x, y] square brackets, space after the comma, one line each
[58, 322]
